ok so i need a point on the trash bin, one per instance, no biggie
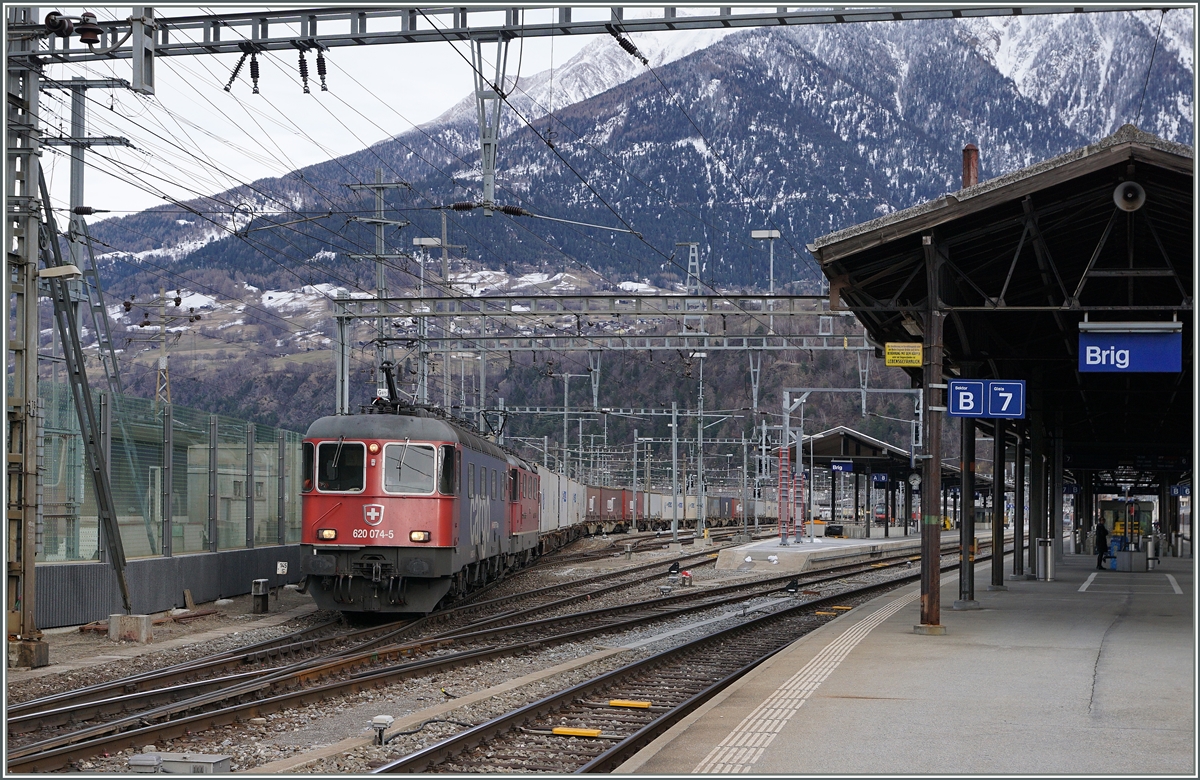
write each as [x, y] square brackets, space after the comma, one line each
[1045, 560]
[1150, 545]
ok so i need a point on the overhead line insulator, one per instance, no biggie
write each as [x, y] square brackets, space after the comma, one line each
[627, 44]
[321, 69]
[236, 70]
[304, 73]
[254, 72]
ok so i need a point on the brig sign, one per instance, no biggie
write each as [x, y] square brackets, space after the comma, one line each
[1130, 353]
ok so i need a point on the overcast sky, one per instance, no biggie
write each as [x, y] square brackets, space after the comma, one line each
[374, 92]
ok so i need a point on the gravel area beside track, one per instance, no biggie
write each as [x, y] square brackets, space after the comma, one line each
[69, 647]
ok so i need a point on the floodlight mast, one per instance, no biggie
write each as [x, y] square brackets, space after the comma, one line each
[769, 236]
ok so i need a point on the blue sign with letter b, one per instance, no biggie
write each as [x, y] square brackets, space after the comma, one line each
[966, 399]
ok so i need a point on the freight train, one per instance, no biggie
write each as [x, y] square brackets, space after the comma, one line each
[404, 510]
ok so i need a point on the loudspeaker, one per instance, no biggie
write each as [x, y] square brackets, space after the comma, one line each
[1129, 196]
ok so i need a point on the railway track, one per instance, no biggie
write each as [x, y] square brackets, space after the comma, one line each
[190, 707]
[642, 541]
[598, 724]
[178, 681]
[206, 683]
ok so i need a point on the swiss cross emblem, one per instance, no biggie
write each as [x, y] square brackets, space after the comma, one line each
[373, 514]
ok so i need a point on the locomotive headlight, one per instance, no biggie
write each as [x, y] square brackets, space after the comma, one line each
[419, 536]
[373, 448]
[327, 534]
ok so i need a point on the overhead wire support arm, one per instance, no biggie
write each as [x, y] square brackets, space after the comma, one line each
[518, 211]
[202, 34]
[489, 98]
[248, 230]
[99, 140]
[381, 221]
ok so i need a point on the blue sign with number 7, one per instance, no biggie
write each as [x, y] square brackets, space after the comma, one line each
[1006, 398]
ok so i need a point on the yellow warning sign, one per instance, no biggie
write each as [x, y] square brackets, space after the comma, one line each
[902, 354]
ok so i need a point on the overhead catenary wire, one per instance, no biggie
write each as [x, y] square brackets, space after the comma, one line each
[1149, 66]
[287, 73]
[259, 249]
[309, 280]
[668, 259]
[583, 266]
[504, 97]
[265, 311]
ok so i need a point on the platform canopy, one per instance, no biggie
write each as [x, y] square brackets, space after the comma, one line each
[869, 454]
[1023, 260]
[846, 444]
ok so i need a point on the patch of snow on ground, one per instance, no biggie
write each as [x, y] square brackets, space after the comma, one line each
[478, 283]
[638, 287]
[197, 300]
[527, 280]
[290, 300]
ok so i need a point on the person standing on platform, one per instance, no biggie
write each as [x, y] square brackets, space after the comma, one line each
[1101, 544]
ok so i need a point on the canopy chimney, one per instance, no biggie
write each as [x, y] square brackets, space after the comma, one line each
[970, 166]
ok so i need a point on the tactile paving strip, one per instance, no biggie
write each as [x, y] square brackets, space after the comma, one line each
[738, 752]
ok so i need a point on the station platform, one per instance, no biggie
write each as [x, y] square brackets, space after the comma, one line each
[1087, 675]
[823, 552]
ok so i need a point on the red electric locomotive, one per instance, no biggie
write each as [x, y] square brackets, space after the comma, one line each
[402, 509]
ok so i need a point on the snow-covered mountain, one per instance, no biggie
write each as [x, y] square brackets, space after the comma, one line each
[598, 67]
[808, 128]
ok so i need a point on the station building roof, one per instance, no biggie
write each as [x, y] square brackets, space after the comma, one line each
[871, 454]
[1024, 259]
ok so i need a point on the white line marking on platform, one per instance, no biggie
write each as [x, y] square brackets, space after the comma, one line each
[1175, 585]
[1087, 582]
[738, 752]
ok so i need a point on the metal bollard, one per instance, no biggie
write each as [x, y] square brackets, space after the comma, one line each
[1045, 560]
[259, 595]
[629, 552]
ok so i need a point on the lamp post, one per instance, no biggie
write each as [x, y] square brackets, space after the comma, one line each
[635, 501]
[422, 361]
[769, 236]
[566, 433]
[800, 462]
[674, 472]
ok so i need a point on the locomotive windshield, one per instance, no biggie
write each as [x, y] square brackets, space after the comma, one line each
[409, 468]
[340, 466]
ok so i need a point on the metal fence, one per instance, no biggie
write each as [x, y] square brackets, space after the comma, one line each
[183, 481]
